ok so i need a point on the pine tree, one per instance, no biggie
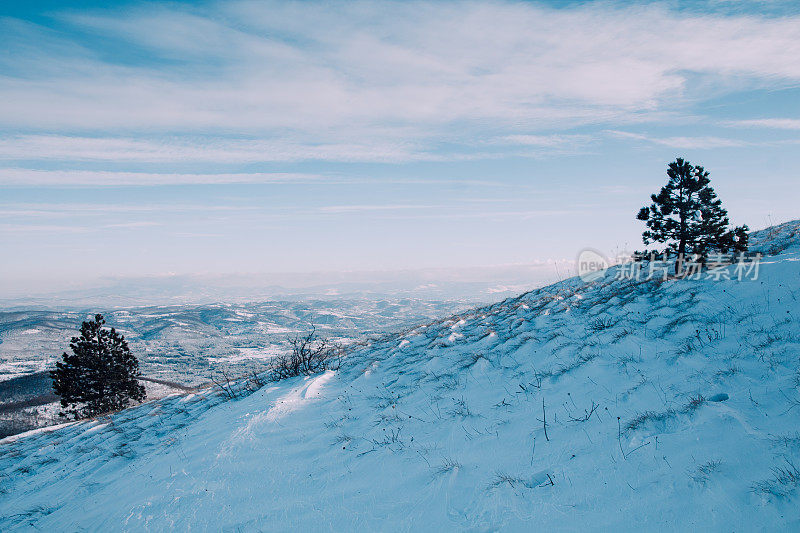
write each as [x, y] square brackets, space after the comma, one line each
[687, 216]
[100, 375]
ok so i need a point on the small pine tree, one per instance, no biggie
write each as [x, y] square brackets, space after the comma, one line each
[99, 376]
[687, 216]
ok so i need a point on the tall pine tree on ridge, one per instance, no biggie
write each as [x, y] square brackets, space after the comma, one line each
[687, 216]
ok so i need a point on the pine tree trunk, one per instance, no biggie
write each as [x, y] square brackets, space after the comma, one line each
[681, 253]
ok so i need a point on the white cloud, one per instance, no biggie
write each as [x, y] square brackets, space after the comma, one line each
[776, 123]
[376, 207]
[18, 209]
[683, 142]
[365, 81]
[61, 147]
[134, 225]
[547, 141]
[31, 177]
[11, 229]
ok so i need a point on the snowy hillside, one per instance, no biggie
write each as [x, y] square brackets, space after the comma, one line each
[609, 405]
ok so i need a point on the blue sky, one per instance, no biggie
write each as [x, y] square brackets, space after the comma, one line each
[142, 139]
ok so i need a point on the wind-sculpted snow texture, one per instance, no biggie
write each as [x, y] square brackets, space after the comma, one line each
[611, 405]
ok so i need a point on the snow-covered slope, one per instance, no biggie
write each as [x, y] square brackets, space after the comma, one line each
[668, 405]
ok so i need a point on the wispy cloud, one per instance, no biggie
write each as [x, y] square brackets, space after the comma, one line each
[775, 123]
[376, 207]
[106, 209]
[547, 141]
[536, 145]
[134, 225]
[364, 81]
[15, 229]
[682, 142]
[189, 149]
[24, 176]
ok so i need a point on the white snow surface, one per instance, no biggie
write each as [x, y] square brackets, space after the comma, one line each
[669, 405]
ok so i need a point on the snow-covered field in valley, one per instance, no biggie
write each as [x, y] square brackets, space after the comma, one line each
[187, 344]
[611, 405]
